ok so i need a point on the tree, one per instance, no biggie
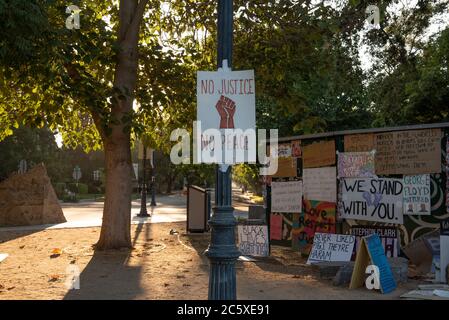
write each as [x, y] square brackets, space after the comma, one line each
[34, 146]
[408, 79]
[77, 70]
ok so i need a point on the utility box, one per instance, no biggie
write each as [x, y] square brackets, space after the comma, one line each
[197, 209]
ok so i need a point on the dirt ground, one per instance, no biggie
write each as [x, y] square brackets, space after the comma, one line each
[160, 266]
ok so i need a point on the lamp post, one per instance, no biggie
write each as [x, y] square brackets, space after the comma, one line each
[153, 181]
[222, 251]
[96, 175]
[143, 199]
[76, 176]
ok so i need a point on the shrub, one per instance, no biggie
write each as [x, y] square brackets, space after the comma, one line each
[60, 189]
[81, 189]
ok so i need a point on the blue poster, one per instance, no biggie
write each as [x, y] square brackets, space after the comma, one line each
[378, 258]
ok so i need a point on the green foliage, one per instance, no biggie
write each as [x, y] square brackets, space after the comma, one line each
[247, 176]
[35, 146]
[309, 76]
[80, 188]
[60, 188]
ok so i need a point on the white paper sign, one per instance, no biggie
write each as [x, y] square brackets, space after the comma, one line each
[320, 184]
[372, 199]
[286, 196]
[253, 240]
[226, 100]
[331, 247]
[417, 194]
[284, 150]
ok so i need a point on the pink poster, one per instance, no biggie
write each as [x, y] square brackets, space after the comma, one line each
[276, 227]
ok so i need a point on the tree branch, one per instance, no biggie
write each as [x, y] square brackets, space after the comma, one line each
[133, 28]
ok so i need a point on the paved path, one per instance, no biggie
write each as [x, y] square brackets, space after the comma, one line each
[170, 208]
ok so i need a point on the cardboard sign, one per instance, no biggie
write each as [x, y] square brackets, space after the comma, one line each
[286, 196]
[319, 154]
[226, 100]
[331, 247]
[388, 236]
[447, 174]
[253, 240]
[287, 167]
[284, 150]
[356, 164]
[296, 148]
[320, 184]
[372, 252]
[372, 199]
[417, 194]
[317, 216]
[359, 142]
[408, 152]
[275, 226]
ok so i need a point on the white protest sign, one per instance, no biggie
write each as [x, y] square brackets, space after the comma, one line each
[226, 100]
[253, 240]
[286, 196]
[372, 199]
[356, 164]
[320, 184]
[417, 194]
[331, 247]
[284, 150]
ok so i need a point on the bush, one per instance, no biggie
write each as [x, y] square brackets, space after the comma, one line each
[70, 198]
[81, 189]
[60, 189]
[93, 188]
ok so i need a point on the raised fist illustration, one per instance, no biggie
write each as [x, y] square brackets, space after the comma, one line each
[226, 110]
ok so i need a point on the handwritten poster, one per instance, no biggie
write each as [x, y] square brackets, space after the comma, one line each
[372, 199]
[331, 247]
[388, 236]
[317, 216]
[226, 100]
[296, 148]
[417, 194]
[284, 150]
[319, 154]
[378, 258]
[408, 152]
[356, 164]
[359, 142]
[253, 240]
[276, 226]
[447, 174]
[287, 167]
[320, 184]
[286, 196]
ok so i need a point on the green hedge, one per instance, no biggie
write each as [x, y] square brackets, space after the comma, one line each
[59, 189]
[81, 189]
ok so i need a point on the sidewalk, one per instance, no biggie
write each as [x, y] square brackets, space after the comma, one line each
[170, 208]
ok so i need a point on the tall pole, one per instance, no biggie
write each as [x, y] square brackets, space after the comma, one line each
[153, 181]
[143, 199]
[222, 251]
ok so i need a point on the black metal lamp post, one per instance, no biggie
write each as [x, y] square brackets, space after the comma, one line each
[222, 251]
[153, 181]
[143, 199]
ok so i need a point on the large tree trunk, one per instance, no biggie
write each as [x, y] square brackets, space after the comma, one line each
[116, 226]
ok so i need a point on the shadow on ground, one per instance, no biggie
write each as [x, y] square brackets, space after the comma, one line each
[9, 235]
[108, 275]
